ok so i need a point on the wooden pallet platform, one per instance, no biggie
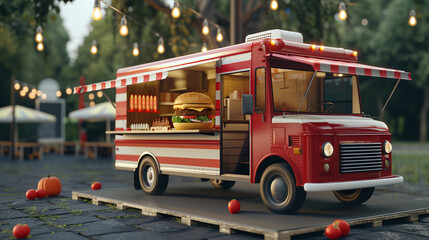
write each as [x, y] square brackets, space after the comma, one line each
[196, 203]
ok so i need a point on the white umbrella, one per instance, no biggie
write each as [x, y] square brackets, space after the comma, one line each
[25, 115]
[99, 112]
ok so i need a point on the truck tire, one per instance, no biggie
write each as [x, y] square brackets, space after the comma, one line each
[222, 184]
[279, 191]
[355, 196]
[150, 180]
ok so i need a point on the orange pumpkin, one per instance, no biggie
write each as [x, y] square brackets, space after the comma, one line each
[51, 185]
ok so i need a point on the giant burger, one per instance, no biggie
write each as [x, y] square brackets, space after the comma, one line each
[193, 110]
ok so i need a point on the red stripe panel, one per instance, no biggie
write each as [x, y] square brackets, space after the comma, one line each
[316, 66]
[121, 107]
[217, 85]
[335, 68]
[409, 76]
[121, 90]
[234, 66]
[103, 85]
[158, 76]
[134, 80]
[397, 75]
[85, 88]
[77, 89]
[133, 158]
[123, 82]
[121, 117]
[352, 70]
[368, 72]
[200, 144]
[217, 104]
[383, 73]
[146, 78]
[94, 87]
[198, 162]
[217, 112]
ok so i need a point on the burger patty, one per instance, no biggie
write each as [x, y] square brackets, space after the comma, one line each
[190, 112]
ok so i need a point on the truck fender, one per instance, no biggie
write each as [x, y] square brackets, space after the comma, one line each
[136, 171]
[272, 159]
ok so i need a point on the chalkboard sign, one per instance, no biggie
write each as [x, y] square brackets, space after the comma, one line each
[52, 132]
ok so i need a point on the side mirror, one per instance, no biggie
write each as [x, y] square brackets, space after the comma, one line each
[247, 104]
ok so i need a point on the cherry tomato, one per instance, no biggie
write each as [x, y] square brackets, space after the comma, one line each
[333, 232]
[21, 230]
[96, 186]
[234, 206]
[31, 194]
[41, 193]
[343, 225]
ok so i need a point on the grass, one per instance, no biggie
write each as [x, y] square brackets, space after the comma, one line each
[411, 160]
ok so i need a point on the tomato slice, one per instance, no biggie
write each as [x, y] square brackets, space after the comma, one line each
[211, 116]
[188, 117]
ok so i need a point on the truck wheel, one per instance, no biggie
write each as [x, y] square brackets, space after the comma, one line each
[355, 196]
[150, 180]
[279, 191]
[221, 184]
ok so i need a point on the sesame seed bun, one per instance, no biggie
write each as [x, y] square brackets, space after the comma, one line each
[193, 99]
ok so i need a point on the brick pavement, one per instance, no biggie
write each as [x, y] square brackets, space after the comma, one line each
[63, 218]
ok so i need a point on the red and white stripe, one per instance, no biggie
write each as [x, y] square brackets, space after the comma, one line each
[174, 152]
[121, 109]
[324, 65]
[122, 81]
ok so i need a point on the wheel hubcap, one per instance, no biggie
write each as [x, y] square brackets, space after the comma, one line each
[149, 176]
[278, 189]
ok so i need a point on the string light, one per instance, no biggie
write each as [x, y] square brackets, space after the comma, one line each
[17, 86]
[204, 47]
[39, 34]
[44, 96]
[136, 51]
[32, 96]
[205, 29]
[219, 36]
[94, 49]
[96, 13]
[92, 104]
[58, 93]
[69, 91]
[22, 93]
[39, 93]
[123, 30]
[25, 89]
[99, 94]
[342, 15]
[175, 12]
[160, 48]
[40, 47]
[91, 96]
[274, 5]
[412, 21]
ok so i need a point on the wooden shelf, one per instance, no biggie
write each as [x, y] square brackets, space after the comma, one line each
[201, 131]
[167, 103]
[166, 115]
[143, 111]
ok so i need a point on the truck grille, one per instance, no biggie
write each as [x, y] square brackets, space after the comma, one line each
[360, 157]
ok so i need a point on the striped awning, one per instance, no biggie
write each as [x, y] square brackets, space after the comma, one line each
[324, 65]
[122, 81]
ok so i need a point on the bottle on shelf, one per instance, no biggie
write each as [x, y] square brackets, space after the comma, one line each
[139, 100]
[144, 103]
[155, 104]
[132, 102]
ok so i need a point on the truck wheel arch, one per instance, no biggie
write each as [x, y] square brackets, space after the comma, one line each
[136, 171]
[272, 160]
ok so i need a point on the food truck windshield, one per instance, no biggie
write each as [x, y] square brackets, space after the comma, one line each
[313, 92]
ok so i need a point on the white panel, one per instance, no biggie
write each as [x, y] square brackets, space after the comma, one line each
[404, 75]
[217, 118]
[121, 97]
[140, 79]
[217, 94]
[390, 74]
[375, 72]
[129, 81]
[325, 67]
[236, 58]
[171, 152]
[126, 164]
[189, 169]
[343, 69]
[360, 71]
[121, 124]
[201, 137]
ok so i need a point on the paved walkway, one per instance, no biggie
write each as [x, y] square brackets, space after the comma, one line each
[63, 218]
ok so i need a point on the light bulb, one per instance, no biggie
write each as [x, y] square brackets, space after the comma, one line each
[161, 48]
[34, 90]
[123, 30]
[69, 91]
[204, 47]
[205, 29]
[40, 47]
[39, 93]
[96, 13]
[92, 104]
[58, 93]
[342, 15]
[94, 49]
[219, 36]
[22, 93]
[99, 94]
[412, 21]
[91, 96]
[136, 51]
[274, 5]
[39, 34]
[17, 86]
[175, 12]
[25, 89]
[44, 96]
[32, 96]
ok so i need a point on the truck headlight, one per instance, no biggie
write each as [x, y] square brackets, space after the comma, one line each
[387, 147]
[327, 149]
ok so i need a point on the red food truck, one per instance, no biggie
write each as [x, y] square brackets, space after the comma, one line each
[287, 115]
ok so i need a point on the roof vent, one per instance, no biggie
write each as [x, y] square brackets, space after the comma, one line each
[274, 34]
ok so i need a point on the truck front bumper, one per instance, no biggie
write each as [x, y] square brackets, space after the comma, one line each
[337, 186]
